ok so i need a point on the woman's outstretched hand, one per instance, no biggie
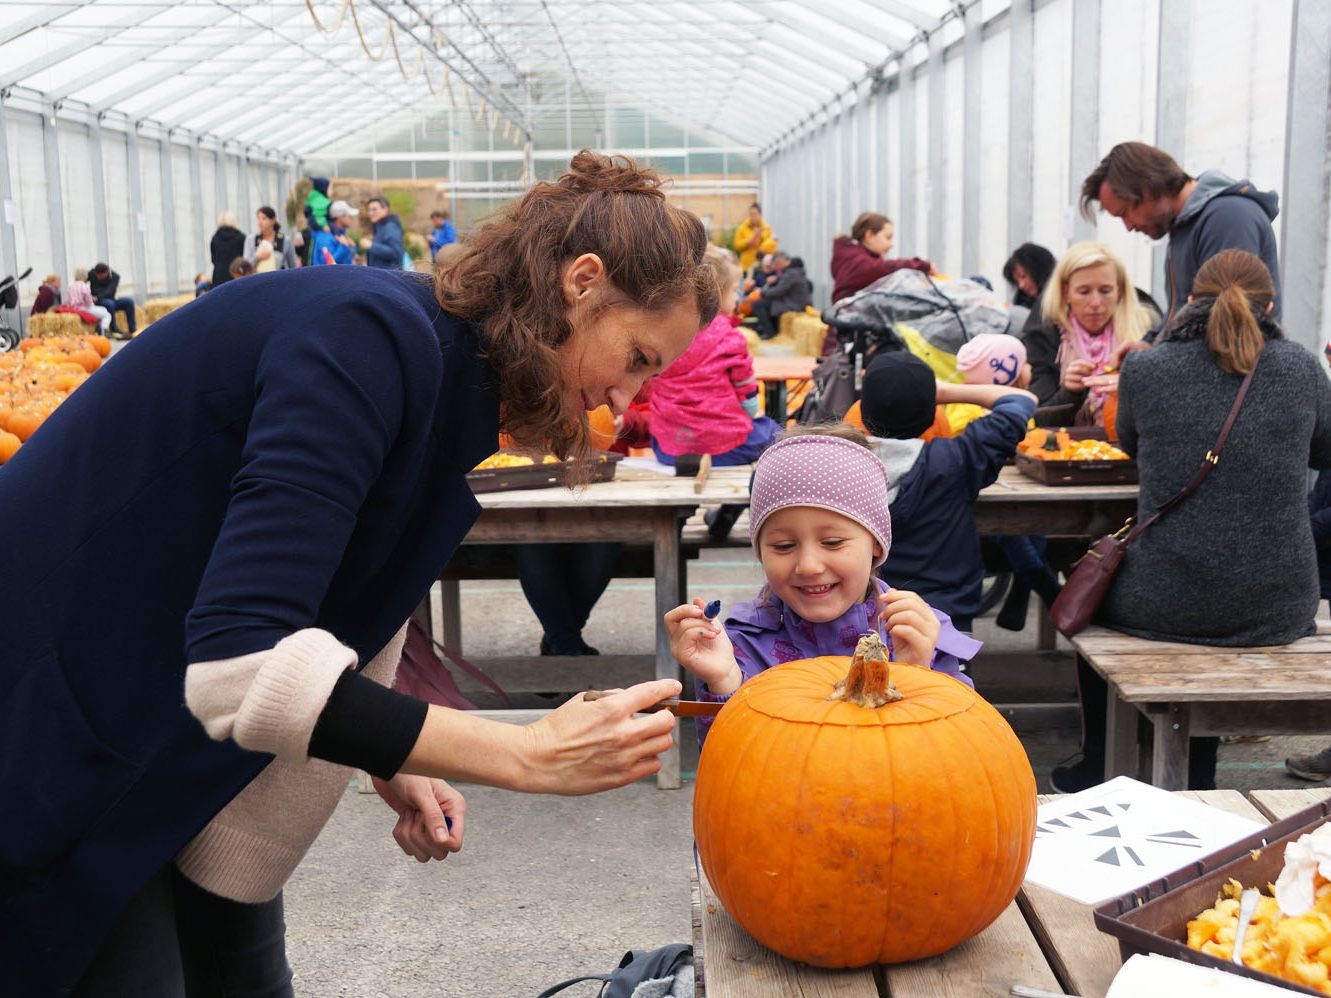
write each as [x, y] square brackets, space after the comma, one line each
[588, 746]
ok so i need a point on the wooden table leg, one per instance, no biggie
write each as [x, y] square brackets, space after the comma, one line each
[772, 391]
[1047, 638]
[450, 616]
[669, 584]
[1169, 764]
[1121, 758]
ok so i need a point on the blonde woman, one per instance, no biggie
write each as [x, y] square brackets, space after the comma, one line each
[228, 243]
[1090, 309]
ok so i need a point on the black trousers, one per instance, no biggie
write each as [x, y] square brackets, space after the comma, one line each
[176, 940]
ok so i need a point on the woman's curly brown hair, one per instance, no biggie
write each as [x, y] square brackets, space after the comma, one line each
[509, 282]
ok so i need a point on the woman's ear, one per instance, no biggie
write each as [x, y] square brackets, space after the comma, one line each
[1269, 306]
[1189, 299]
[581, 276]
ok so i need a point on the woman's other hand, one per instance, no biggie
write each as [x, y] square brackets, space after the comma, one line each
[1074, 378]
[425, 808]
[588, 746]
[703, 647]
[911, 625]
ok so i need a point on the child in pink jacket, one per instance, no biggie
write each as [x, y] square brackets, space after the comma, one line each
[706, 402]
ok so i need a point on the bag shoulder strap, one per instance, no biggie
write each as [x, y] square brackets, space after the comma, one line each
[1211, 459]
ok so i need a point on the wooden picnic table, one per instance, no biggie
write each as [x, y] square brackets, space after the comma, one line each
[1017, 505]
[1042, 940]
[1186, 691]
[633, 508]
[774, 373]
[643, 508]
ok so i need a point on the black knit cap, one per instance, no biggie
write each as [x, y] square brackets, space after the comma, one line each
[899, 396]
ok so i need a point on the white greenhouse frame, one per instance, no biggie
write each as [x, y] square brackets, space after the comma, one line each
[125, 125]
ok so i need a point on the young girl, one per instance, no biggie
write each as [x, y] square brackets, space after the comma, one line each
[819, 524]
[706, 402]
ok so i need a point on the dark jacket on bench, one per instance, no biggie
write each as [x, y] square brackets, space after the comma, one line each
[1234, 563]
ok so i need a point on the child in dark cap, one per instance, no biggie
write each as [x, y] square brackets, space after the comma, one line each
[932, 486]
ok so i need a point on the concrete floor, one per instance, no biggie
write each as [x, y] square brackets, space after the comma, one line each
[547, 888]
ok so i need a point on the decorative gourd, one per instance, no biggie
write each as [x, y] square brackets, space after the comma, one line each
[862, 821]
[601, 423]
[9, 445]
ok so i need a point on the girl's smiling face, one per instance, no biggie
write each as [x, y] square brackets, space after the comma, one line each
[819, 563]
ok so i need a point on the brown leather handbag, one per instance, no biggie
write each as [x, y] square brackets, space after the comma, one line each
[1093, 574]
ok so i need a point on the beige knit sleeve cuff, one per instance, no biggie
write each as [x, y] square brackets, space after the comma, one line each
[269, 701]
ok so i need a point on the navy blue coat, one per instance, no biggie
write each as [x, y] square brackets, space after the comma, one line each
[935, 547]
[287, 451]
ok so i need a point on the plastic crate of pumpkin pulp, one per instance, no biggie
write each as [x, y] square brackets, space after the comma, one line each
[1074, 457]
[1155, 918]
[505, 471]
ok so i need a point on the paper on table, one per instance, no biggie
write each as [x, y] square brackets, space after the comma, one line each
[647, 464]
[1158, 976]
[1110, 839]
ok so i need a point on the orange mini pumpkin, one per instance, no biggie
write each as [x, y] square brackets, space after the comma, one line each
[864, 822]
[9, 445]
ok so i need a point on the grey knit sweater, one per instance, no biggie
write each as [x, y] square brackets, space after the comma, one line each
[1234, 563]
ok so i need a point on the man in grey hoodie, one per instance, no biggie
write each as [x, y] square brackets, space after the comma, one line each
[1150, 193]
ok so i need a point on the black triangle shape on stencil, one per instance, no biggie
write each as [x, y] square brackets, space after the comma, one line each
[1057, 821]
[1125, 806]
[1111, 857]
[1078, 814]
[1099, 808]
[1110, 833]
[1174, 835]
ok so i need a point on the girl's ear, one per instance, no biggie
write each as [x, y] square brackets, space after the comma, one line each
[877, 550]
[1269, 305]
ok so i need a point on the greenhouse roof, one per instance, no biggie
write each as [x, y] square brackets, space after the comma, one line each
[294, 74]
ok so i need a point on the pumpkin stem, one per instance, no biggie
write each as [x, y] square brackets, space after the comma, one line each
[867, 683]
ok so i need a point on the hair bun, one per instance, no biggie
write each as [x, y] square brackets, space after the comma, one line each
[589, 172]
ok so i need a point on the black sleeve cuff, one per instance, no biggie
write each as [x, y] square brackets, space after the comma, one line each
[367, 726]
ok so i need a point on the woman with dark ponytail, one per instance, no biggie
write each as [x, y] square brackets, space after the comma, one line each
[1234, 564]
[224, 535]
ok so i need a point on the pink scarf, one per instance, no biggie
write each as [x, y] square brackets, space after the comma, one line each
[1078, 344]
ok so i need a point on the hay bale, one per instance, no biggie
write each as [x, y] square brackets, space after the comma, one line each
[155, 308]
[57, 324]
[806, 332]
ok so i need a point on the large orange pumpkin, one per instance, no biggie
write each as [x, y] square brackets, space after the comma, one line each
[842, 827]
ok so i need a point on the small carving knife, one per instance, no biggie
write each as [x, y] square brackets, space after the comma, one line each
[676, 706]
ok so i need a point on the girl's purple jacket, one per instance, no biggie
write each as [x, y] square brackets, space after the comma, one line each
[766, 632]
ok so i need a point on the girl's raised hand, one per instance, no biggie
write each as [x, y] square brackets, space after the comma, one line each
[703, 647]
[911, 625]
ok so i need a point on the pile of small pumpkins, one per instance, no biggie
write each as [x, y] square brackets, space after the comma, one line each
[35, 379]
[1058, 445]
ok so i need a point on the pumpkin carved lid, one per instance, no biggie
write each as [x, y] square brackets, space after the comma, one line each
[868, 693]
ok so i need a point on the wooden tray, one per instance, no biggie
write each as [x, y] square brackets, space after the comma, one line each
[1078, 472]
[1154, 918]
[542, 476]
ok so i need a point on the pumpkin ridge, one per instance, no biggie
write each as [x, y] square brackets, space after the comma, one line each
[972, 928]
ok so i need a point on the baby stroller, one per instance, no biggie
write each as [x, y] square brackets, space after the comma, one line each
[906, 310]
[9, 299]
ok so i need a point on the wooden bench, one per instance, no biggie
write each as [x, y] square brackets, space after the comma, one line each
[1187, 691]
